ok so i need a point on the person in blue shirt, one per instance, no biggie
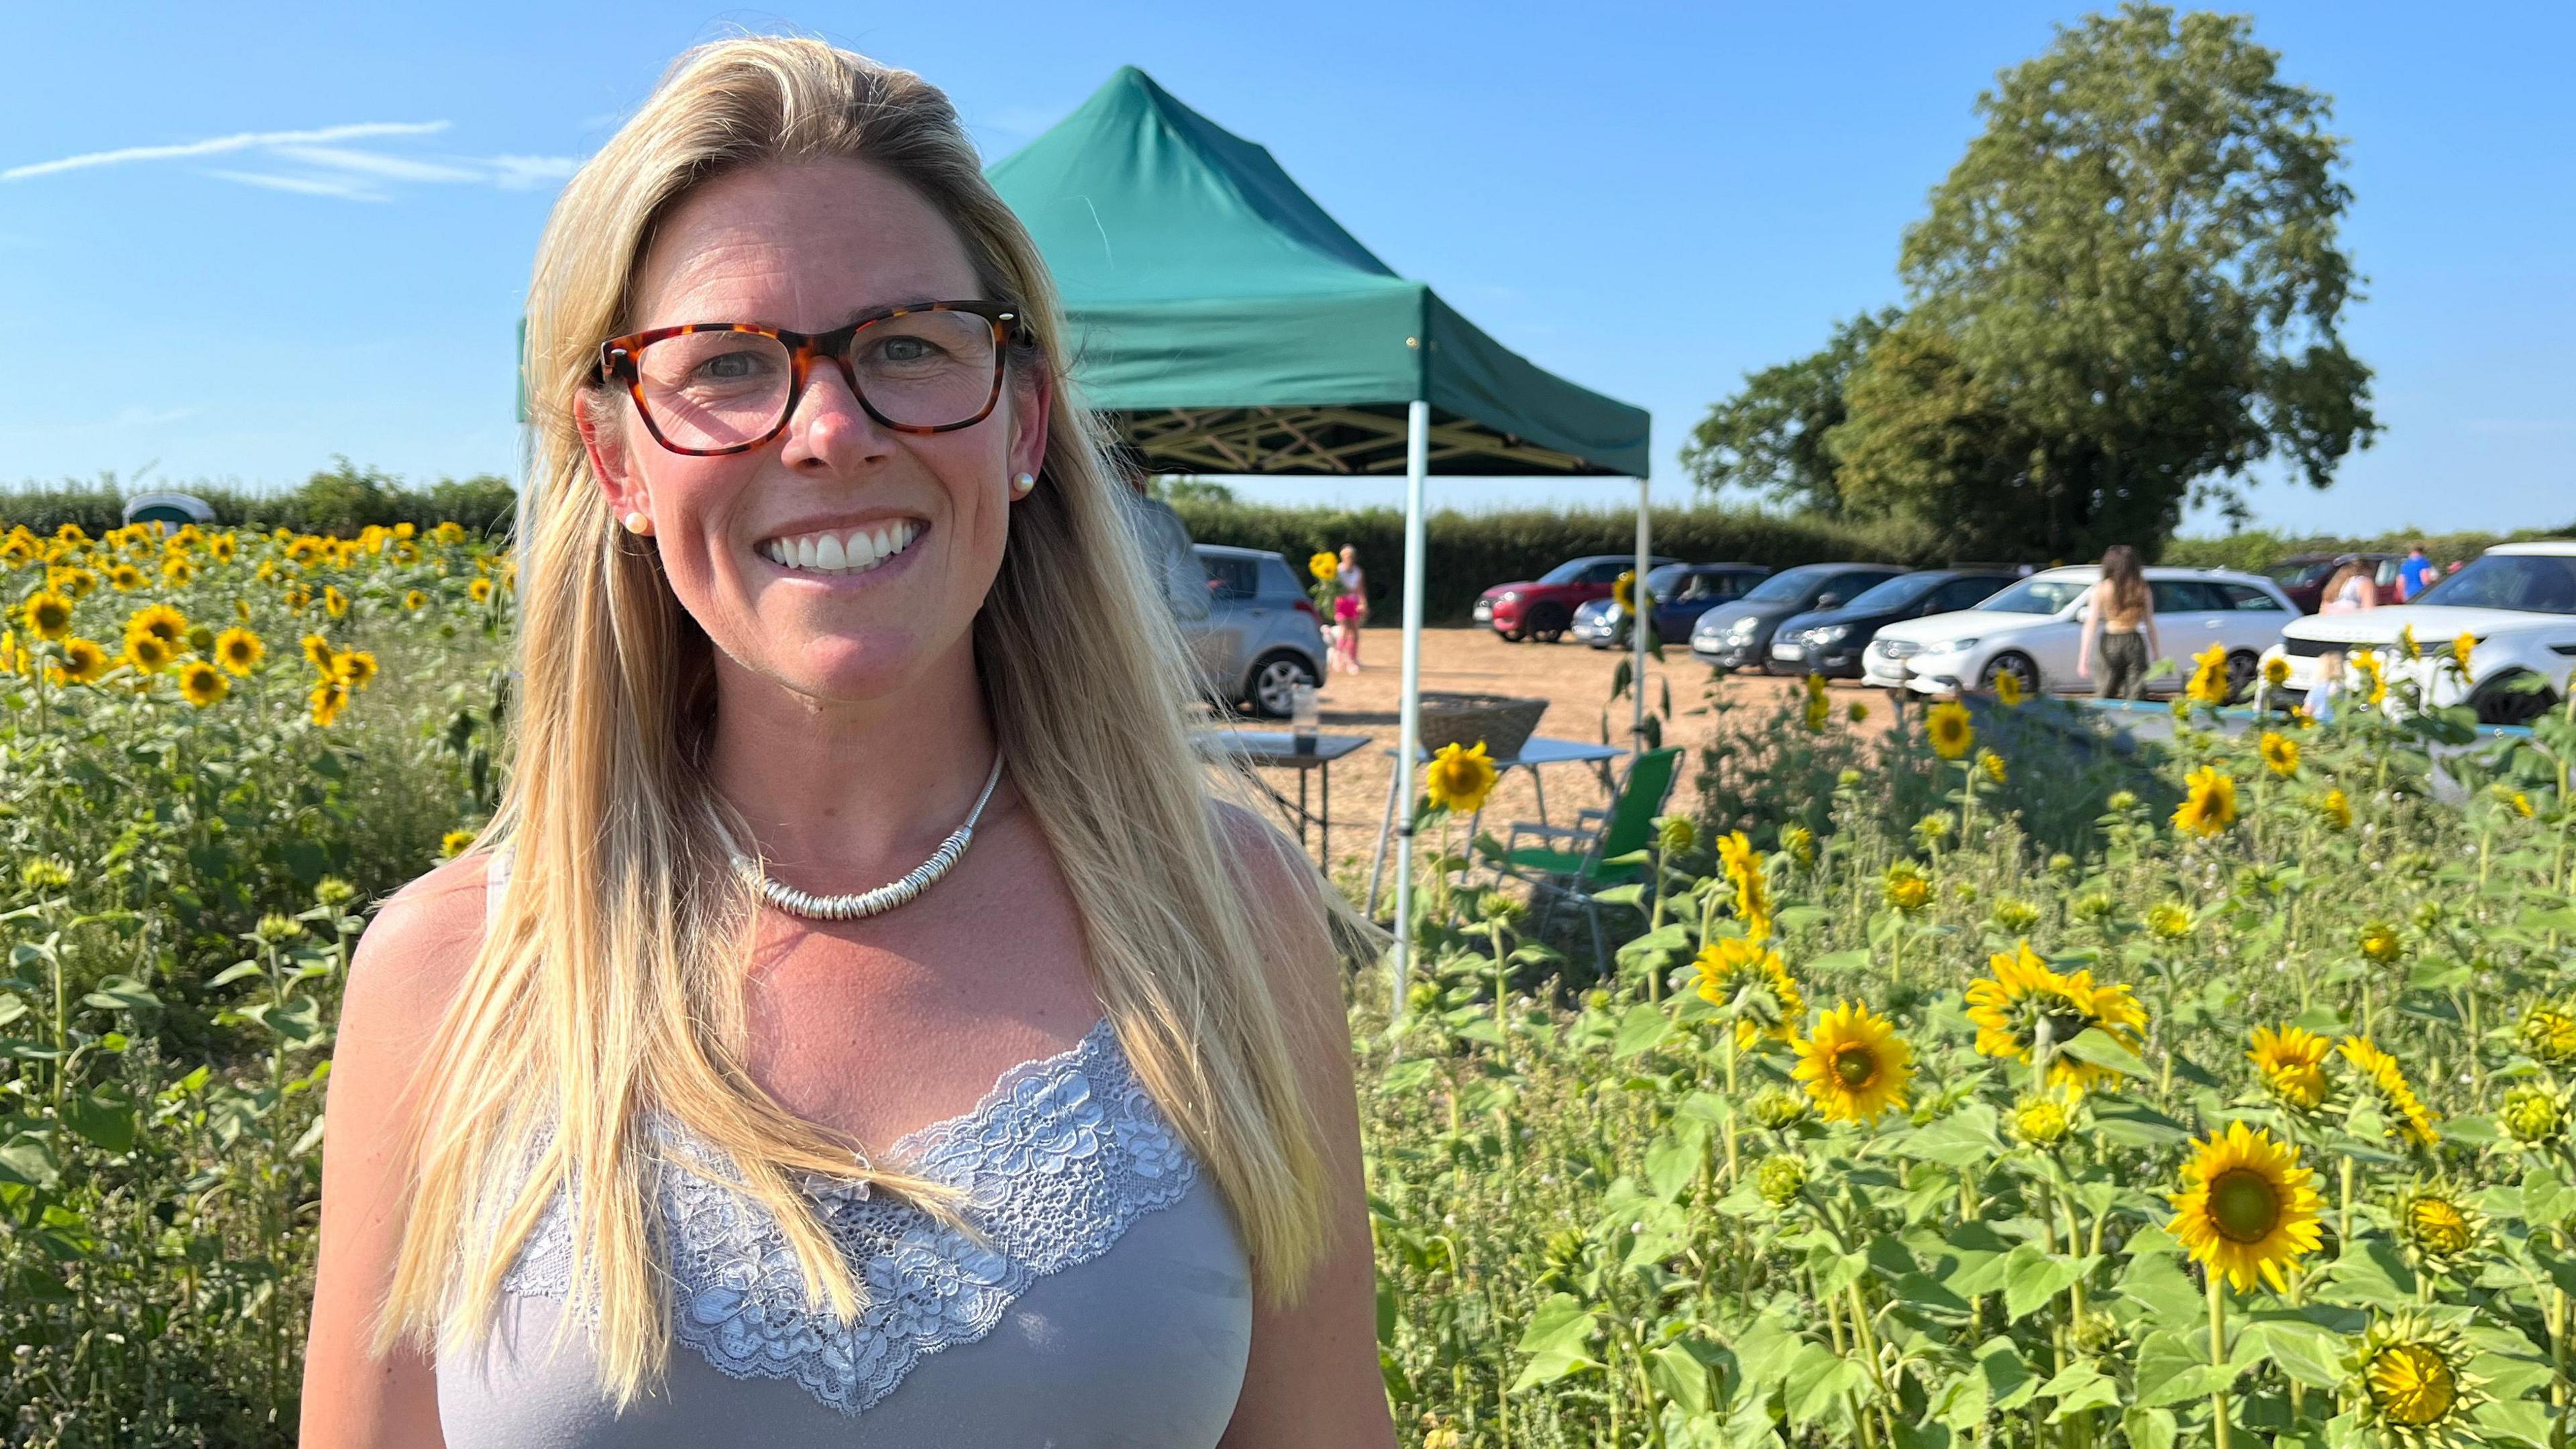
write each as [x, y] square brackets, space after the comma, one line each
[2416, 574]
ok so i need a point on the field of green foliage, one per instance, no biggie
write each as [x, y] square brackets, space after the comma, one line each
[1991, 1082]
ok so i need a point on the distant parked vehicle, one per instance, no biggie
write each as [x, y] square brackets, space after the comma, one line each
[1543, 608]
[2032, 630]
[2304, 576]
[2516, 601]
[1252, 632]
[1829, 641]
[1681, 593]
[1738, 635]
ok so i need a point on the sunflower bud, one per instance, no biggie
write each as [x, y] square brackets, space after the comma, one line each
[1776, 1109]
[2040, 1121]
[2548, 1033]
[2121, 802]
[2531, 1116]
[44, 874]
[277, 930]
[1780, 1180]
[1677, 834]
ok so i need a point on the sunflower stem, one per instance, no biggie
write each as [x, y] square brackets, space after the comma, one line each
[2217, 1351]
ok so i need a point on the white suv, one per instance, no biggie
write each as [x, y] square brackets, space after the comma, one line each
[2516, 600]
[2032, 630]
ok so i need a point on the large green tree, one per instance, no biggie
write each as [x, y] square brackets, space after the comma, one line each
[1770, 437]
[2138, 291]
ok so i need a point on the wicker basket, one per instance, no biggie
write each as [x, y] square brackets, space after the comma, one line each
[1504, 723]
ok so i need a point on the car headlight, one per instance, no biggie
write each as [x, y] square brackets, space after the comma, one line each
[1743, 630]
[1829, 636]
[1950, 646]
[1508, 596]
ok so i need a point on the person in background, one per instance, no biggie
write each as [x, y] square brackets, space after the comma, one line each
[2351, 590]
[2122, 612]
[2416, 574]
[2321, 695]
[1350, 610]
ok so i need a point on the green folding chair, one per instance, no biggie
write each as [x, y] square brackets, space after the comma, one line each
[1565, 862]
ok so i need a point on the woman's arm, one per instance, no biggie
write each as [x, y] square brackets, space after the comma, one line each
[2084, 636]
[407, 965]
[1312, 1381]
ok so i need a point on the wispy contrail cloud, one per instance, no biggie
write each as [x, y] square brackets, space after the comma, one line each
[219, 145]
[302, 185]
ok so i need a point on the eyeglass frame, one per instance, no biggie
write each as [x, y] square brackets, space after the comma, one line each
[617, 360]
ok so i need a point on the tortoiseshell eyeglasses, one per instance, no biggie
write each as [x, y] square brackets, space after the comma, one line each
[706, 388]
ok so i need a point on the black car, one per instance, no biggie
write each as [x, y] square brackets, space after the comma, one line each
[1829, 641]
[1738, 635]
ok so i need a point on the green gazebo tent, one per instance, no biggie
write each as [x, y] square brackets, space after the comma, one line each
[1226, 324]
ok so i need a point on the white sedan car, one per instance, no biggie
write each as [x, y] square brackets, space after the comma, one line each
[2517, 602]
[2032, 629]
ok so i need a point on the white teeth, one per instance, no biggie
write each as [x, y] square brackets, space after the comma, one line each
[855, 552]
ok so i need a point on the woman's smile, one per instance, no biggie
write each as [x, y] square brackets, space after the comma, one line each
[843, 558]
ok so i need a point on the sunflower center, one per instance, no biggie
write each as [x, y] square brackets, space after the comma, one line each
[2244, 1205]
[2412, 1384]
[1855, 1066]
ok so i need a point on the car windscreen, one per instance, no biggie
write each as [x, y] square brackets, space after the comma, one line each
[1901, 592]
[1665, 582]
[2292, 575]
[2536, 583]
[2038, 595]
[1569, 572]
[1790, 586]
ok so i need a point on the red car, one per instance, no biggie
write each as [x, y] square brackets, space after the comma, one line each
[1545, 606]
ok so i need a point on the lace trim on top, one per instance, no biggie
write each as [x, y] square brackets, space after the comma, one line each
[1054, 1163]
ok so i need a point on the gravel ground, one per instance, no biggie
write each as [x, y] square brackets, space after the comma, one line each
[1574, 678]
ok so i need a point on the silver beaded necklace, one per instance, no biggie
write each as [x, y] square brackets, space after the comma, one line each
[885, 897]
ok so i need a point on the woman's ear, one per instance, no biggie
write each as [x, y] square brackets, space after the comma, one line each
[602, 439]
[1032, 404]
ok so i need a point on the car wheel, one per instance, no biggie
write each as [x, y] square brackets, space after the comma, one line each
[1273, 693]
[1548, 625]
[2243, 668]
[1513, 636]
[2016, 664]
[2498, 704]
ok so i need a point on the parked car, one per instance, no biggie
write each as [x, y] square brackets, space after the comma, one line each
[1681, 593]
[1738, 635]
[2032, 629]
[1252, 632]
[1829, 641]
[2303, 576]
[2517, 602]
[1543, 608]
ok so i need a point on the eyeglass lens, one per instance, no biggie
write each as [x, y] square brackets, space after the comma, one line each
[719, 389]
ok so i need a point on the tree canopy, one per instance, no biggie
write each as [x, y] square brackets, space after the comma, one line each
[2127, 293]
[1770, 438]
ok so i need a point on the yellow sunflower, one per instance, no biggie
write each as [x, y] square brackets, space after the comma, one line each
[2336, 809]
[455, 842]
[2461, 649]
[75, 583]
[2209, 806]
[220, 548]
[239, 650]
[2548, 1033]
[2409, 1379]
[202, 684]
[1817, 710]
[1855, 1065]
[2386, 1080]
[2379, 942]
[178, 570]
[2008, 689]
[2280, 752]
[161, 622]
[2247, 1208]
[2406, 642]
[83, 662]
[2437, 1224]
[1908, 888]
[2209, 682]
[1993, 765]
[1458, 778]
[1751, 981]
[2023, 991]
[414, 598]
[147, 654]
[356, 668]
[1751, 878]
[317, 650]
[2170, 920]
[334, 603]
[2293, 1063]
[48, 615]
[329, 699]
[2374, 676]
[1949, 729]
[2276, 671]
[480, 590]
[450, 532]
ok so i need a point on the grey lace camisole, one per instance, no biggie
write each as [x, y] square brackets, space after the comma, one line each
[1112, 1307]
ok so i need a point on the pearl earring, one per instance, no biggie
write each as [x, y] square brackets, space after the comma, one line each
[636, 522]
[1021, 483]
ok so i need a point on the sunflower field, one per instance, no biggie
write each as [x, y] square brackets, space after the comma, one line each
[217, 751]
[1999, 1081]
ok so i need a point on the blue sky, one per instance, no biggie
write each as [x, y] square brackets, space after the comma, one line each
[237, 240]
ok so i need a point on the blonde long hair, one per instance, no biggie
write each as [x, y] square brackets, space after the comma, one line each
[609, 986]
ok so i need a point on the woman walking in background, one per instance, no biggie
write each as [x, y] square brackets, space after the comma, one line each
[2351, 590]
[2121, 611]
[1350, 610]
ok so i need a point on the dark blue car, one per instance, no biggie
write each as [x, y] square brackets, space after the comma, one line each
[1682, 592]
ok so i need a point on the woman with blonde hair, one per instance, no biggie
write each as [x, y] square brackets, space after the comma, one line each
[860, 1023]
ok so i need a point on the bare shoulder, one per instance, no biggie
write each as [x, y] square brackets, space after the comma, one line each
[1293, 920]
[414, 953]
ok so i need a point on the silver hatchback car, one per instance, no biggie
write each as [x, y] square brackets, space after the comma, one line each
[1251, 628]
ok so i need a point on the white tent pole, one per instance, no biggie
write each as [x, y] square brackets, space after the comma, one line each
[1640, 619]
[1408, 732]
